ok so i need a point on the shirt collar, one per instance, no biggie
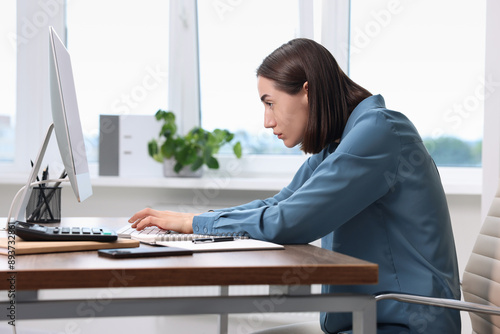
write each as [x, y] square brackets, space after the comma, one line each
[371, 102]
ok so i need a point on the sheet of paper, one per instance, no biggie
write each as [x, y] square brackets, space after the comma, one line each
[241, 244]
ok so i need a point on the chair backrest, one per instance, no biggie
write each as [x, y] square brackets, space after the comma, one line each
[481, 279]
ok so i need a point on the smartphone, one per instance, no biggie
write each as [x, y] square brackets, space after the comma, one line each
[124, 253]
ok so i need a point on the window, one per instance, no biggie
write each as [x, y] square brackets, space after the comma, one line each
[427, 59]
[234, 37]
[8, 80]
[119, 53]
[117, 45]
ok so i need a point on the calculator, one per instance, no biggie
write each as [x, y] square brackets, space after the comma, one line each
[36, 232]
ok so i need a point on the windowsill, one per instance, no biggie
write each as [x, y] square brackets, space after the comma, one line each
[462, 181]
[235, 183]
[456, 181]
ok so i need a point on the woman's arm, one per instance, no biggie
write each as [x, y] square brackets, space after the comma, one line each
[302, 175]
[182, 222]
[357, 174]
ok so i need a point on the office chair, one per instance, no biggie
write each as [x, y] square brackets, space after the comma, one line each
[481, 279]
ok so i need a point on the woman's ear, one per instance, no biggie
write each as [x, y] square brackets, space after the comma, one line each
[305, 88]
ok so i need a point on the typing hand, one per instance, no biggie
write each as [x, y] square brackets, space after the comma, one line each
[168, 220]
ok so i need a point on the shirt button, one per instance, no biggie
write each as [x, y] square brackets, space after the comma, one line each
[205, 230]
[196, 228]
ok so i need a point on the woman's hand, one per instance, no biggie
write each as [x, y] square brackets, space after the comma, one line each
[167, 220]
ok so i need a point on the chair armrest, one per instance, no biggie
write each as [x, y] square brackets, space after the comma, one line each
[442, 302]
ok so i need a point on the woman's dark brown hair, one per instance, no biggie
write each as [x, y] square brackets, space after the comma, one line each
[332, 95]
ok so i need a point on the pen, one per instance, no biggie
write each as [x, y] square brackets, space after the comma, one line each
[45, 176]
[213, 239]
[32, 164]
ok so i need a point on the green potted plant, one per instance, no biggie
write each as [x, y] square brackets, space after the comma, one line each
[195, 149]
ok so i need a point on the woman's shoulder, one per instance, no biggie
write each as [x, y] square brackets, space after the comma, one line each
[374, 119]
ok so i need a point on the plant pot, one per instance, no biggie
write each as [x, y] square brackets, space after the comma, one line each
[168, 170]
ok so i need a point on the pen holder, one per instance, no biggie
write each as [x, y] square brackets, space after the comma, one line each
[44, 205]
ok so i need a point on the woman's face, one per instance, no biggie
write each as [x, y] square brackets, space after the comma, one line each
[284, 113]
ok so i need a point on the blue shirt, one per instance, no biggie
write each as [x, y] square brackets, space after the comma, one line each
[377, 196]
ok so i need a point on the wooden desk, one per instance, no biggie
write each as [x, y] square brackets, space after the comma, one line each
[297, 265]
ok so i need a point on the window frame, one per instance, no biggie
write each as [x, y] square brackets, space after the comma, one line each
[33, 105]
[33, 113]
[491, 135]
[456, 180]
[254, 164]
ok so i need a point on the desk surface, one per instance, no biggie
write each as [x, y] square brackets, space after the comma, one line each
[296, 265]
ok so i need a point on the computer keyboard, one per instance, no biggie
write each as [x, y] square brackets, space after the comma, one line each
[152, 234]
[127, 231]
[35, 232]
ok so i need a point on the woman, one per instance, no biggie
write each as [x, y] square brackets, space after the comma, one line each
[370, 190]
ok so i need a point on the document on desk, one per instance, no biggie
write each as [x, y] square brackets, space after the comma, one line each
[226, 246]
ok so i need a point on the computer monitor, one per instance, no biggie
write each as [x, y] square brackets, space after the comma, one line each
[66, 118]
[67, 127]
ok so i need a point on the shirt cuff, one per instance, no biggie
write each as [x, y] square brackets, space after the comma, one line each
[203, 224]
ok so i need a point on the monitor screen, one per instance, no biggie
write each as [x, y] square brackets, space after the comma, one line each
[66, 118]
